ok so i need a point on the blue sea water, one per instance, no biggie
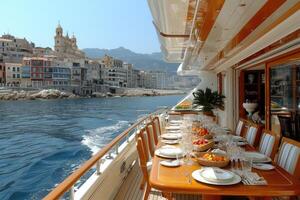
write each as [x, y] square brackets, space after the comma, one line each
[42, 142]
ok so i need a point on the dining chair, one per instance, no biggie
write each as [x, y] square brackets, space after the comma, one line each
[145, 171]
[151, 137]
[143, 135]
[251, 134]
[268, 144]
[157, 127]
[143, 164]
[288, 156]
[239, 127]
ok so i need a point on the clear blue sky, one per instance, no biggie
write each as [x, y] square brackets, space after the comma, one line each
[96, 23]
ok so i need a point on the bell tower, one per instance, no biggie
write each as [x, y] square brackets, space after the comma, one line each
[58, 39]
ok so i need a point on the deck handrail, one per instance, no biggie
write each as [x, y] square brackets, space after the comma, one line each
[69, 182]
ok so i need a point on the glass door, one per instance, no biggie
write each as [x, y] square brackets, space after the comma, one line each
[284, 98]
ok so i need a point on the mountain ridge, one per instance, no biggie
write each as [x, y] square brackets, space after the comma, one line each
[141, 61]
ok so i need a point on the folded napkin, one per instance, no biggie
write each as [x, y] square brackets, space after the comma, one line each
[254, 179]
[216, 174]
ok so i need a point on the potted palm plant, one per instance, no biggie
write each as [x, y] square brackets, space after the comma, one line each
[208, 100]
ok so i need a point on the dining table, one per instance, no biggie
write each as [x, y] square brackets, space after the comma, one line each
[179, 180]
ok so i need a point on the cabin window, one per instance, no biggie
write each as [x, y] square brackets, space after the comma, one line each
[284, 100]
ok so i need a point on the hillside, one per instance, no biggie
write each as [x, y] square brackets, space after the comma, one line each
[152, 61]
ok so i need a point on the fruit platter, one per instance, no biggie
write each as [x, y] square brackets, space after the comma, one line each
[202, 132]
[203, 144]
[212, 159]
[185, 105]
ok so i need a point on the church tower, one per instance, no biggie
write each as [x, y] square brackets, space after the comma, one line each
[58, 39]
[74, 41]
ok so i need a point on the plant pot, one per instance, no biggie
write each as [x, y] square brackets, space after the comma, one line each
[209, 113]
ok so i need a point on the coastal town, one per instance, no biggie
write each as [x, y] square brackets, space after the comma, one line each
[29, 72]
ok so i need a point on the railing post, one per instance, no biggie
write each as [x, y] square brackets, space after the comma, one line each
[98, 164]
[72, 193]
[117, 148]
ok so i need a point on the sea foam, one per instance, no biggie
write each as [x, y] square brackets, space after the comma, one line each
[95, 139]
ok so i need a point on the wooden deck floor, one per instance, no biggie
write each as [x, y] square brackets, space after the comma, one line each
[130, 189]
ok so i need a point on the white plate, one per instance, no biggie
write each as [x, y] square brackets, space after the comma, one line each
[215, 174]
[197, 176]
[176, 121]
[257, 157]
[237, 138]
[173, 131]
[171, 136]
[263, 166]
[173, 128]
[170, 163]
[170, 141]
[170, 152]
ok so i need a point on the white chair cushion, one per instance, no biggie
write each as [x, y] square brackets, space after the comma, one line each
[251, 134]
[288, 157]
[266, 144]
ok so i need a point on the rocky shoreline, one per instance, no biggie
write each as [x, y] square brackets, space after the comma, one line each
[7, 95]
[32, 95]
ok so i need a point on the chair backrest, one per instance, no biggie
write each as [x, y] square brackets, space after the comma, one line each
[142, 158]
[288, 156]
[239, 127]
[144, 137]
[268, 143]
[251, 134]
[151, 137]
[157, 125]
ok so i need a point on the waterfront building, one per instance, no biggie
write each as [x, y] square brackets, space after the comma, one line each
[61, 76]
[40, 71]
[135, 77]
[2, 72]
[26, 74]
[157, 79]
[65, 46]
[129, 74]
[13, 49]
[94, 72]
[114, 74]
[13, 74]
[40, 51]
[109, 62]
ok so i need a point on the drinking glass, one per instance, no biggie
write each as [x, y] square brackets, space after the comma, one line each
[247, 165]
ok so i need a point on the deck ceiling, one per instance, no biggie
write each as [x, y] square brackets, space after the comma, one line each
[225, 31]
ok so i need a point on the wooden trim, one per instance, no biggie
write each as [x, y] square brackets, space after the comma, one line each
[211, 13]
[173, 35]
[77, 174]
[292, 36]
[170, 35]
[242, 112]
[279, 20]
[205, 19]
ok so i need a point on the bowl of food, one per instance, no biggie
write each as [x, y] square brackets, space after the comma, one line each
[203, 144]
[203, 132]
[212, 159]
